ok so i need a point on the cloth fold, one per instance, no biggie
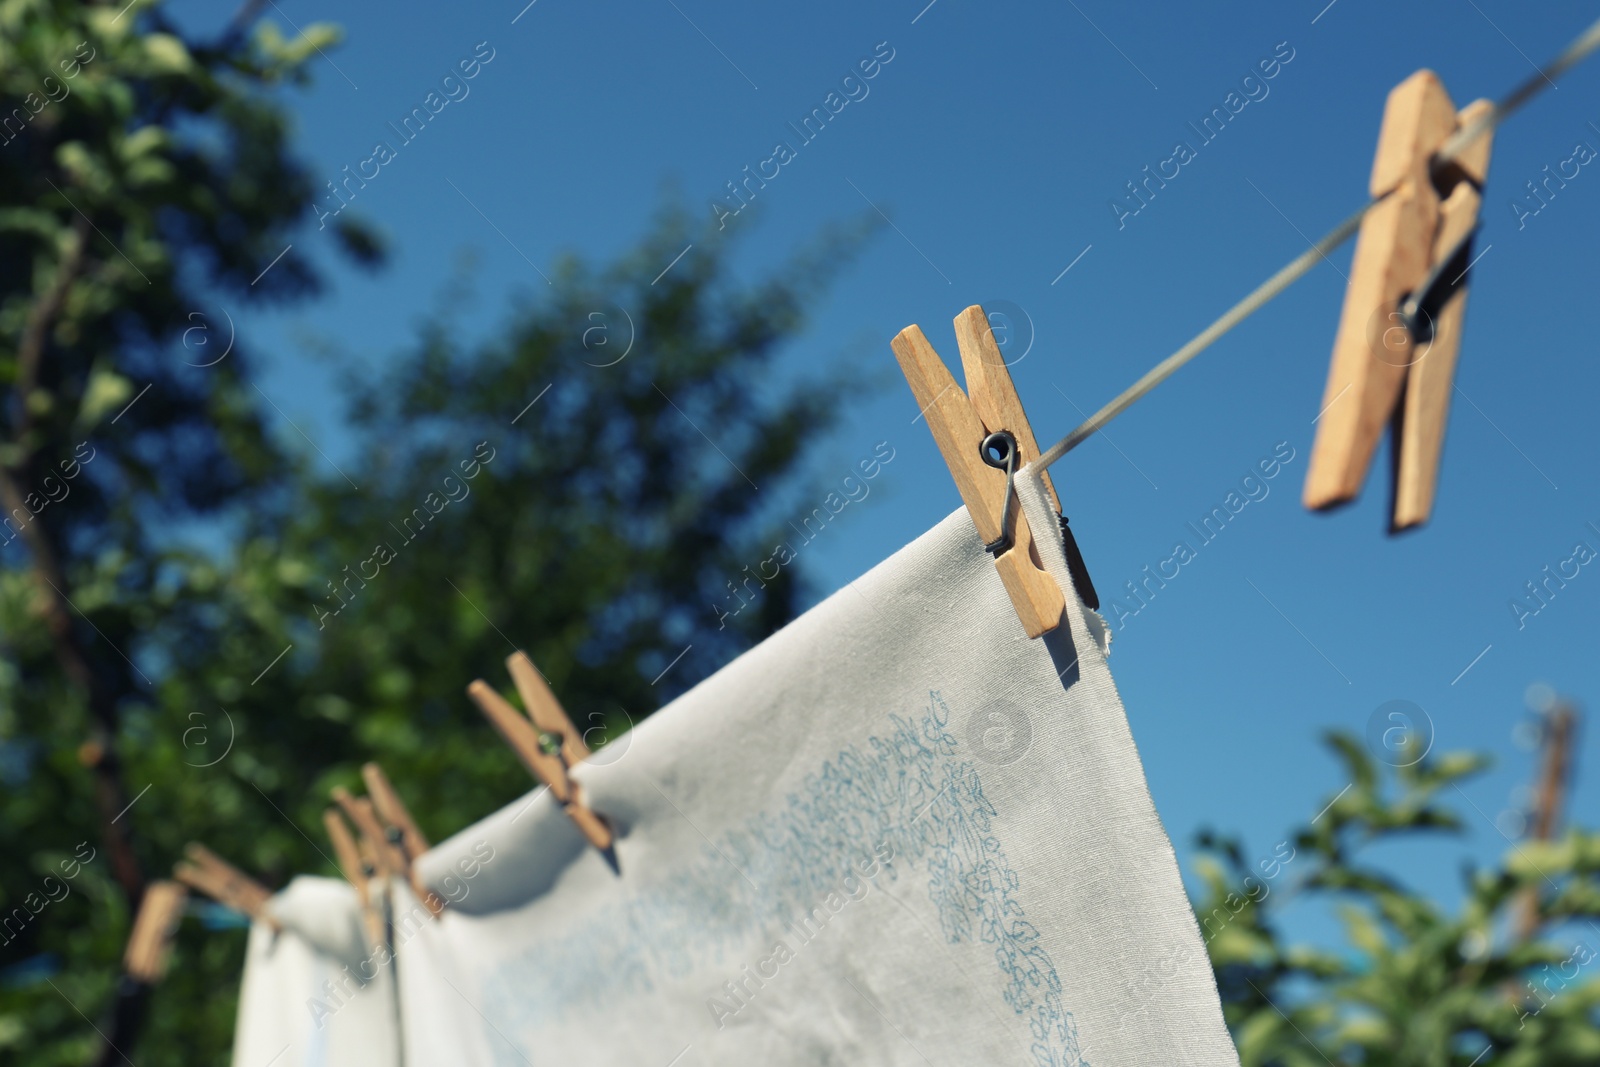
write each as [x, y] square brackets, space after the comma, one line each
[313, 994]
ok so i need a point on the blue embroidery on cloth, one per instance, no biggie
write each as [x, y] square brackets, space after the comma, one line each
[909, 788]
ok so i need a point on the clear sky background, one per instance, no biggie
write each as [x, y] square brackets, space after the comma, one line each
[995, 139]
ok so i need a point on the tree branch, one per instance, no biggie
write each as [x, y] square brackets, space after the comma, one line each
[36, 333]
[99, 753]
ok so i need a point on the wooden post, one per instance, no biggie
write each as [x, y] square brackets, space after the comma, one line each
[1550, 794]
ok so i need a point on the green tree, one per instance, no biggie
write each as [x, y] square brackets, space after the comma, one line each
[1415, 984]
[144, 182]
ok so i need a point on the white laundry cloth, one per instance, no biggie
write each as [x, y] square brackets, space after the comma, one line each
[313, 994]
[896, 832]
[438, 1024]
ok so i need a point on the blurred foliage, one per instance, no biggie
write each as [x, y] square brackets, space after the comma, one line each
[182, 604]
[144, 186]
[1415, 984]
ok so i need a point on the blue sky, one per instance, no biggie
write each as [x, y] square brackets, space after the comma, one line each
[995, 139]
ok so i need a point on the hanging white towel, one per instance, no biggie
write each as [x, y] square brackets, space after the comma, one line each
[438, 1023]
[314, 994]
[897, 832]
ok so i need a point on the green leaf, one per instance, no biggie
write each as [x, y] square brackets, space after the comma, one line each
[143, 141]
[167, 54]
[106, 392]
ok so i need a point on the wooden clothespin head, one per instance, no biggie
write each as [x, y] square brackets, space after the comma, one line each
[985, 438]
[150, 941]
[402, 832]
[206, 872]
[546, 742]
[544, 709]
[1399, 335]
[385, 856]
[346, 852]
[357, 870]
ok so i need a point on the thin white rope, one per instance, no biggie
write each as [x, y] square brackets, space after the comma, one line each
[1579, 50]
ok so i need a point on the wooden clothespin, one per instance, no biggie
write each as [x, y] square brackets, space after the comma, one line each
[1400, 330]
[544, 709]
[546, 742]
[380, 857]
[985, 438]
[355, 871]
[402, 832]
[206, 872]
[358, 871]
[150, 941]
[385, 856]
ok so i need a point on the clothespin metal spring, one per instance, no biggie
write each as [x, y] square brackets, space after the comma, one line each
[1419, 310]
[999, 450]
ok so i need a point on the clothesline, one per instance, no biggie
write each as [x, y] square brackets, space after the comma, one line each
[1580, 49]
